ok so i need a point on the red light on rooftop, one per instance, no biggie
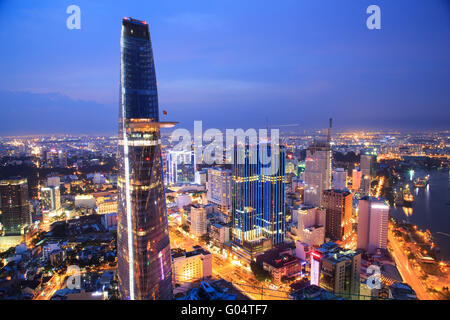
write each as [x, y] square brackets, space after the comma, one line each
[316, 255]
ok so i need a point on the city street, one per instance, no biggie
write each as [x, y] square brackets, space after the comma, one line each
[406, 270]
[226, 269]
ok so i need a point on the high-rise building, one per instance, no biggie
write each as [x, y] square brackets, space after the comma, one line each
[258, 213]
[368, 170]
[181, 167]
[199, 226]
[311, 224]
[337, 270]
[356, 179]
[50, 198]
[373, 219]
[144, 259]
[318, 171]
[339, 179]
[339, 206]
[219, 188]
[15, 212]
[368, 164]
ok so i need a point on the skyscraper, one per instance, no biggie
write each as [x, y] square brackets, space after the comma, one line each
[373, 219]
[340, 179]
[50, 198]
[368, 170]
[198, 220]
[356, 179]
[311, 224]
[318, 170]
[338, 204]
[219, 188]
[14, 205]
[144, 262]
[181, 167]
[258, 213]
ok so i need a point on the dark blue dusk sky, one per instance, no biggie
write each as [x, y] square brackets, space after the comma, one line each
[230, 63]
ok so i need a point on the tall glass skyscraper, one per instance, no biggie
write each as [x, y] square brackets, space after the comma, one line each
[144, 262]
[15, 212]
[258, 200]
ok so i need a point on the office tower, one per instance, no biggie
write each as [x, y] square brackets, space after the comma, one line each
[144, 262]
[50, 198]
[373, 219]
[368, 163]
[198, 221]
[15, 212]
[368, 170]
[258, 213]
[356, 179]
[311, 225]
[191, 266]
[339, 179]
[338, 204]
[318, 171]
[219, 188]
[62, 159]
[180, 167]
[337, 270]
[51, 158]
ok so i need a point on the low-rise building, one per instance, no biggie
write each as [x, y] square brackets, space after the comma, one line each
[191, 266]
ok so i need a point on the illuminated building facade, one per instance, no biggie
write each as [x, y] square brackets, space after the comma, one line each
[311, 225]
[191, 266]
[373, 220]
[219, 188]
[144, 262]
[338, 205]
[15, 212]
[317, 172]
[181, 167]
[199, 226]
[50, 198]
[337, 270]
[356, 179]
[258, 213]
[106, 202]
[368, 171]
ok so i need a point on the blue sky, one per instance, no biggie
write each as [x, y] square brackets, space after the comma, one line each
[230, 63]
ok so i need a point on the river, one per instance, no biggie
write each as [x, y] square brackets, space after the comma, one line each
[430, 209]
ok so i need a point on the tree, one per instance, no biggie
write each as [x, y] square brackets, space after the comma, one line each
[259, 272]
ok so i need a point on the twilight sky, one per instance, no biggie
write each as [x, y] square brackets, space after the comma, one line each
[229, 63]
